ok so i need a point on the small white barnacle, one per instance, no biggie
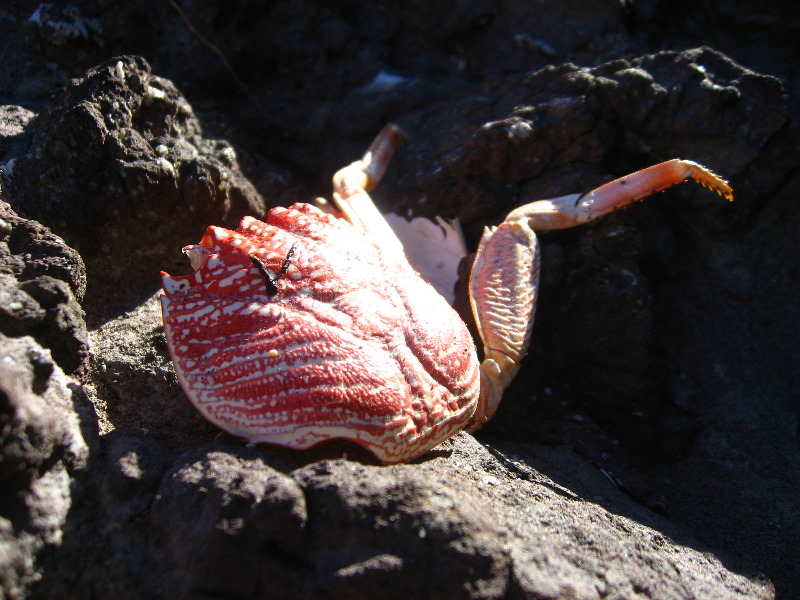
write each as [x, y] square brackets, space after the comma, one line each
[165, 165]
[153, 93]
[229, 154]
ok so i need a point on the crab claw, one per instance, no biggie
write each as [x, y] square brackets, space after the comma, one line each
[503, 286]
[505, 274]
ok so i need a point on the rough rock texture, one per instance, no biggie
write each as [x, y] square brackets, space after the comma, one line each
[42, 283]
[134, 376]
[228, 521]
[43, 454]
[122, 147]
[648, 449]
[573, 124]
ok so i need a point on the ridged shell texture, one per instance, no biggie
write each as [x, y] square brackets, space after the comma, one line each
[353, 345]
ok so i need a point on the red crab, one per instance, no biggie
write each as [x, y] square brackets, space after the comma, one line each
[309, 327]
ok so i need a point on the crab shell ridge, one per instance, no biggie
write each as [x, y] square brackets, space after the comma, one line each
[353, 345]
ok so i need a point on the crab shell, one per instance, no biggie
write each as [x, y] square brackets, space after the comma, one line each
[353, 345]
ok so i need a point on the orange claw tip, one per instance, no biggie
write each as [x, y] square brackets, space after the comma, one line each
[708, 179]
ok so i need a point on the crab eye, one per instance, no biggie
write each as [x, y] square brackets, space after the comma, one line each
[172, 285]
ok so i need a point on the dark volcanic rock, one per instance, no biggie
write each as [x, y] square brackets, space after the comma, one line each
[42, 282]
[136, 380]
[118, 165]
[239, 522]
[43, 456]
[228, 512]
[660, 393]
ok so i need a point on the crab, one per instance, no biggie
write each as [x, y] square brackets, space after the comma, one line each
[312, 326]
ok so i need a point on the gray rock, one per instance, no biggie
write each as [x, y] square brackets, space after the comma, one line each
[228, 512]
[13, 136]
[470, 523]
[43, 457]
[133, 373]
[143, 160]
[42, 283]
[659, 397]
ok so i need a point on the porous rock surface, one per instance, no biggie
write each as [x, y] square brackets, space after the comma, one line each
[42, 284]
[648, 449]
[43, 457]
[122, 147]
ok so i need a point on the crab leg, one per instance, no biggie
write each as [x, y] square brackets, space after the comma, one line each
[352, 184]
[505, 275]
[576, 209]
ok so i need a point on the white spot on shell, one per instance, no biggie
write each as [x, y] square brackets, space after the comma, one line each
[195, 315]
[251, 308]
[210, 353]
[229, 280]
[231, 308]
